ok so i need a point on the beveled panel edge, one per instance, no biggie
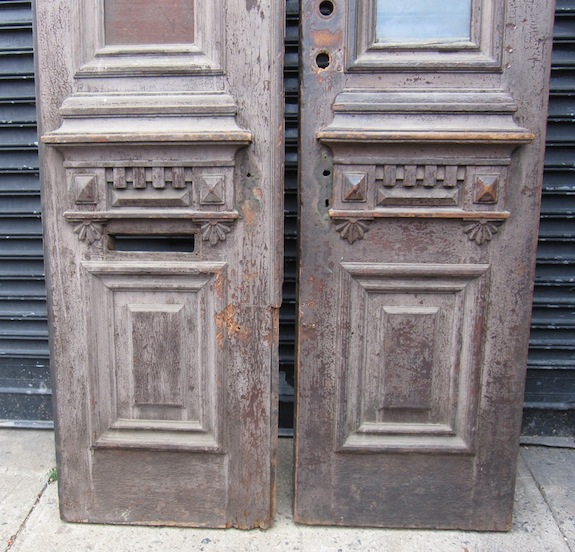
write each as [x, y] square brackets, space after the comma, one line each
[192, 436]
[169, 441]
[438, 444]
[441, 439]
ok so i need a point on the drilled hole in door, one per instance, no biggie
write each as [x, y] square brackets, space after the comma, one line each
[323, 60]
[326, 8]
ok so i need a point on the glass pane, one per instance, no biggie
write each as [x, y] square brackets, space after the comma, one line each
[149, 21]
[423, 20]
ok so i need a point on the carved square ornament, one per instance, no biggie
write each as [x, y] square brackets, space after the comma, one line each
[485, 188]
[355, 187]
[85, 188]
[212, 189]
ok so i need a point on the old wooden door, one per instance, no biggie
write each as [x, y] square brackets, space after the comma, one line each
[162, 137]
[421, 144]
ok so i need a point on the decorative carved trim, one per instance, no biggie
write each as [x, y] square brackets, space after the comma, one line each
[481, 231]
[420, 213]
[151, 214]
[427, 176]
[434, 116]
[149, 177]
[485, 188]
[352, 229]
[89, 231]
[214, 231]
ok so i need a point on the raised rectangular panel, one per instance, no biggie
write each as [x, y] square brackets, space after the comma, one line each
[157, 334]
[407, 357]
[149, 198]
[157, 363]
[407, 363]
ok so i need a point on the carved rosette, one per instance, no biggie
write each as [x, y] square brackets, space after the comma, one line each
[89, 231]
[214, 231]
[482, 231]
[352, 229]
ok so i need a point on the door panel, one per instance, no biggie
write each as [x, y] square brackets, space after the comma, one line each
[420, 181]
[162, 168]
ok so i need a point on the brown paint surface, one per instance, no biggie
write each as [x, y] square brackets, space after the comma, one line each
[133, 22]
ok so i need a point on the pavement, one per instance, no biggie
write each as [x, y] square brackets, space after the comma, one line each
[544, 515]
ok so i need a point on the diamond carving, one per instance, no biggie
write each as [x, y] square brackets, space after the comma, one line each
[355, 187]
[212, 189]
[485, 188]
[85, 186]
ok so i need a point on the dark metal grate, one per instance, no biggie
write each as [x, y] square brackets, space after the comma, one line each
[25, 397]
[288, 310]
[551, 364]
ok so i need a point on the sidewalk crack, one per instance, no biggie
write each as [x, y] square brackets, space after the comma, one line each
[14, 537]
[548, 503]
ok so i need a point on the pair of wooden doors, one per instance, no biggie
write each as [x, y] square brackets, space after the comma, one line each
[421, 145]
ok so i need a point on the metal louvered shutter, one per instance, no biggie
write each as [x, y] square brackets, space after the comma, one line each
[288, 310]
[550, 391]
[25, 398]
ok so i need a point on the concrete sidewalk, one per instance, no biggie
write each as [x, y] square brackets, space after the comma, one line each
[29, 520]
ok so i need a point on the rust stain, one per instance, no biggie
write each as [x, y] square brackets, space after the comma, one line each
[326, 39]
[249, 213]
[227, 324]
[219, 285]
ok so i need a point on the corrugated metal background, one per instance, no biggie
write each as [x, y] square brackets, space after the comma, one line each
[24, 374]
[551, 366]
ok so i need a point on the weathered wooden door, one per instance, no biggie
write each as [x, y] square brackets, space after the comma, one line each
[161, 125]
[421, 144]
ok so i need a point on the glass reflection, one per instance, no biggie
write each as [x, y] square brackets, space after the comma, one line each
[423, 20]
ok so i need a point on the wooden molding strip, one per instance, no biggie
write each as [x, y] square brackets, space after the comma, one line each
[419, 213]
[152, 214]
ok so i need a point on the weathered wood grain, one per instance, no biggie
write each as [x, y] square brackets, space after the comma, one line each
[164, 362]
